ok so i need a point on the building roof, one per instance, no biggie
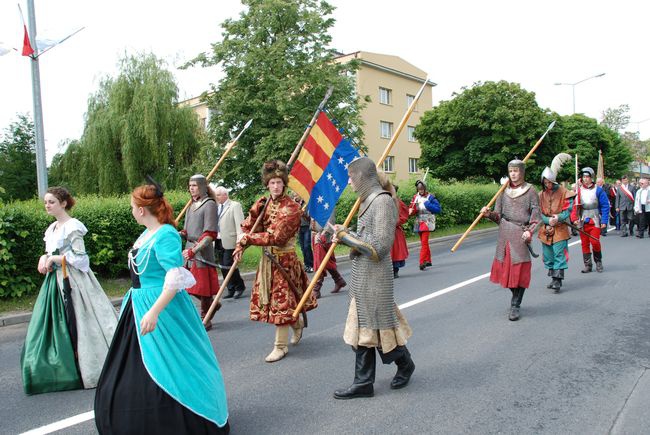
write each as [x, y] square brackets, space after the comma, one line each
[389, 63]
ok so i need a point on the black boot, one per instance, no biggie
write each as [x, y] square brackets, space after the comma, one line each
[588, 264]
[557, 281]
[405, 368]
[395, 272]
[551, 273]
[598, 258]
[514, 309]
[364, 376]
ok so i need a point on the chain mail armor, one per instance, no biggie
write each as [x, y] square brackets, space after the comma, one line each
[516, 211]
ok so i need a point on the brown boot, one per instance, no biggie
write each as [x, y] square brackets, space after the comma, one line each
[339, 282]
[280, 348]
[206, 303]
[318, 285]
[588, 264]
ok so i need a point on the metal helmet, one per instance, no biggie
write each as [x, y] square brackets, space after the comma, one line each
[516, 163]
[549, 175]
[588, 171]
[201, 182]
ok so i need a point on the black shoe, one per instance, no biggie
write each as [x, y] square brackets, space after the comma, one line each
[555, 285]
[395, 273]
[239, 293]
[624, 235]
[355, 391]
[422, 266]
[229, 295]
[309, 269]
[514, 313]
[428, 264]
[403, 375]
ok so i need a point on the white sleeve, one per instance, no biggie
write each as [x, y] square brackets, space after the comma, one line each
[178, 279]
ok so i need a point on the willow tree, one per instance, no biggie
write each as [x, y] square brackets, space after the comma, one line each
[278, 66]
[134, 128]
[18, 160]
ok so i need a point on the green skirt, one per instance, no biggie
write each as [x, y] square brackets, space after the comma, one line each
[48, 360]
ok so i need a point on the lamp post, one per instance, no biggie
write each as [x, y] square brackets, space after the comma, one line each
[573, 87]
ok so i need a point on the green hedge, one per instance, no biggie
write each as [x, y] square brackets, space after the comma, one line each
[112, 230]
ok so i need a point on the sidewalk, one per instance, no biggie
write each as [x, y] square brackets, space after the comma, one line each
[24, 317]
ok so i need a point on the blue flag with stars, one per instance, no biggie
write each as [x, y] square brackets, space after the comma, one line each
[330, 186]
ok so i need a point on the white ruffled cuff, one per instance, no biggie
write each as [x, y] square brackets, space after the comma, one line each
[178, 279]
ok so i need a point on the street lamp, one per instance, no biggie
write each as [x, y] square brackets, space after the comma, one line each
[573, 87]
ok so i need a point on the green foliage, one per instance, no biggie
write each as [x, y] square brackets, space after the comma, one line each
[18, 160]
[616, 119]
[277, 67]
[480, 130]
[133, 128]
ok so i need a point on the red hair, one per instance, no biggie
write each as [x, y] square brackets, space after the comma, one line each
[149, 196]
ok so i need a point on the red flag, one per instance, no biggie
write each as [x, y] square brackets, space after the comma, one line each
[27, 45]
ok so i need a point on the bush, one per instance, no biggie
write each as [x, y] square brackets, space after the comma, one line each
[112, 230]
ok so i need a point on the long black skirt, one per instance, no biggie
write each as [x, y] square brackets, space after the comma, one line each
[128, 401]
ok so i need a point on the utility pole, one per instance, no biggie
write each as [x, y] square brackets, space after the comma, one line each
[41, 162]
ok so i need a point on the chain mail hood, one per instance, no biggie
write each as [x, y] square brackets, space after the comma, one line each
[365, 180]
[202, 184]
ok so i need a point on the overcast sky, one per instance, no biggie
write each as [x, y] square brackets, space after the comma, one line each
[457, 42]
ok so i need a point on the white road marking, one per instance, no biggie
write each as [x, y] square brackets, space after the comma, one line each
[62, 424]
[80, 418]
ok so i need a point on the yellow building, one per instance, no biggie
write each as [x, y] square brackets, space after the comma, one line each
[391, 83]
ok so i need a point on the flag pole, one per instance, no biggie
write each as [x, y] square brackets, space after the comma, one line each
[355, 207]
[229, 147]
[294, 155]
[501, 189]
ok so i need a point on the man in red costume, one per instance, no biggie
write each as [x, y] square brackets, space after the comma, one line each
[280, 280]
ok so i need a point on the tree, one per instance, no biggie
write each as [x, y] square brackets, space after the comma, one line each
[277, 67]
[480, 130]
[584, 136]
[616, 119]
[134, 128]
[18, 160]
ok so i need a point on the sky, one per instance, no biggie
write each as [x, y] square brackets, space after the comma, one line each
[458, 43]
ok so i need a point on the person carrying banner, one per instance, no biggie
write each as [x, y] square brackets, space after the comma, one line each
[200, 230]
[374, 322]
[322, 241]
[517, 213]
[555, 204]
[424, 206]
[281, 279]
[592, 206]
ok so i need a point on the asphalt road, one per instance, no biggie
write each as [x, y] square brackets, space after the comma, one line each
[576, 362]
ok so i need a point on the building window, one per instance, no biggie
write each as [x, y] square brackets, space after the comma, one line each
[385, 96]
[203, 122]
[386, 129]
[409, 100]
[389, 164]
[413, 165]
[410, 130]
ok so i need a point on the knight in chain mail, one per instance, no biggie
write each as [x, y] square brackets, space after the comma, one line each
[281, 279]
[517, 213]
[555, 204]
[374, 321]
[591, 213]
[200, 231]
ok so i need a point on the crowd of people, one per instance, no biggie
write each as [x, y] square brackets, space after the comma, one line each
[154, 366]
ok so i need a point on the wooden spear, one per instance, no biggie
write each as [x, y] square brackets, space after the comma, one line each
[213, 308]
[229, 147]
[355, 207]
[501, 189]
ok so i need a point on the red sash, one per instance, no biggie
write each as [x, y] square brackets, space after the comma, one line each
[627, 193]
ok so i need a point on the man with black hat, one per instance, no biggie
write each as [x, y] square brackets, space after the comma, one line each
[280, 280]
[200, 231]
[591, 213]
[374, 321]
[517, 213]
[424, 206]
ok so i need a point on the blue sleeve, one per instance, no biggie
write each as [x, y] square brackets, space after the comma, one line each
[168, 248]
[432, 205]
[603, 204]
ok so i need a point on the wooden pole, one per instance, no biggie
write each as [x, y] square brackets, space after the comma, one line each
[501, 189]
[229, 147]
[294, 155]
[355, 207]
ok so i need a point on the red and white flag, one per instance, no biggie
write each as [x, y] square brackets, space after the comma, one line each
[27, 45]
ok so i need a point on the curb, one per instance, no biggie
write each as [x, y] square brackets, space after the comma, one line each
[24, 317]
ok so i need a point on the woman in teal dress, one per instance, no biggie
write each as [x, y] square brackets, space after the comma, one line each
[161, 374]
